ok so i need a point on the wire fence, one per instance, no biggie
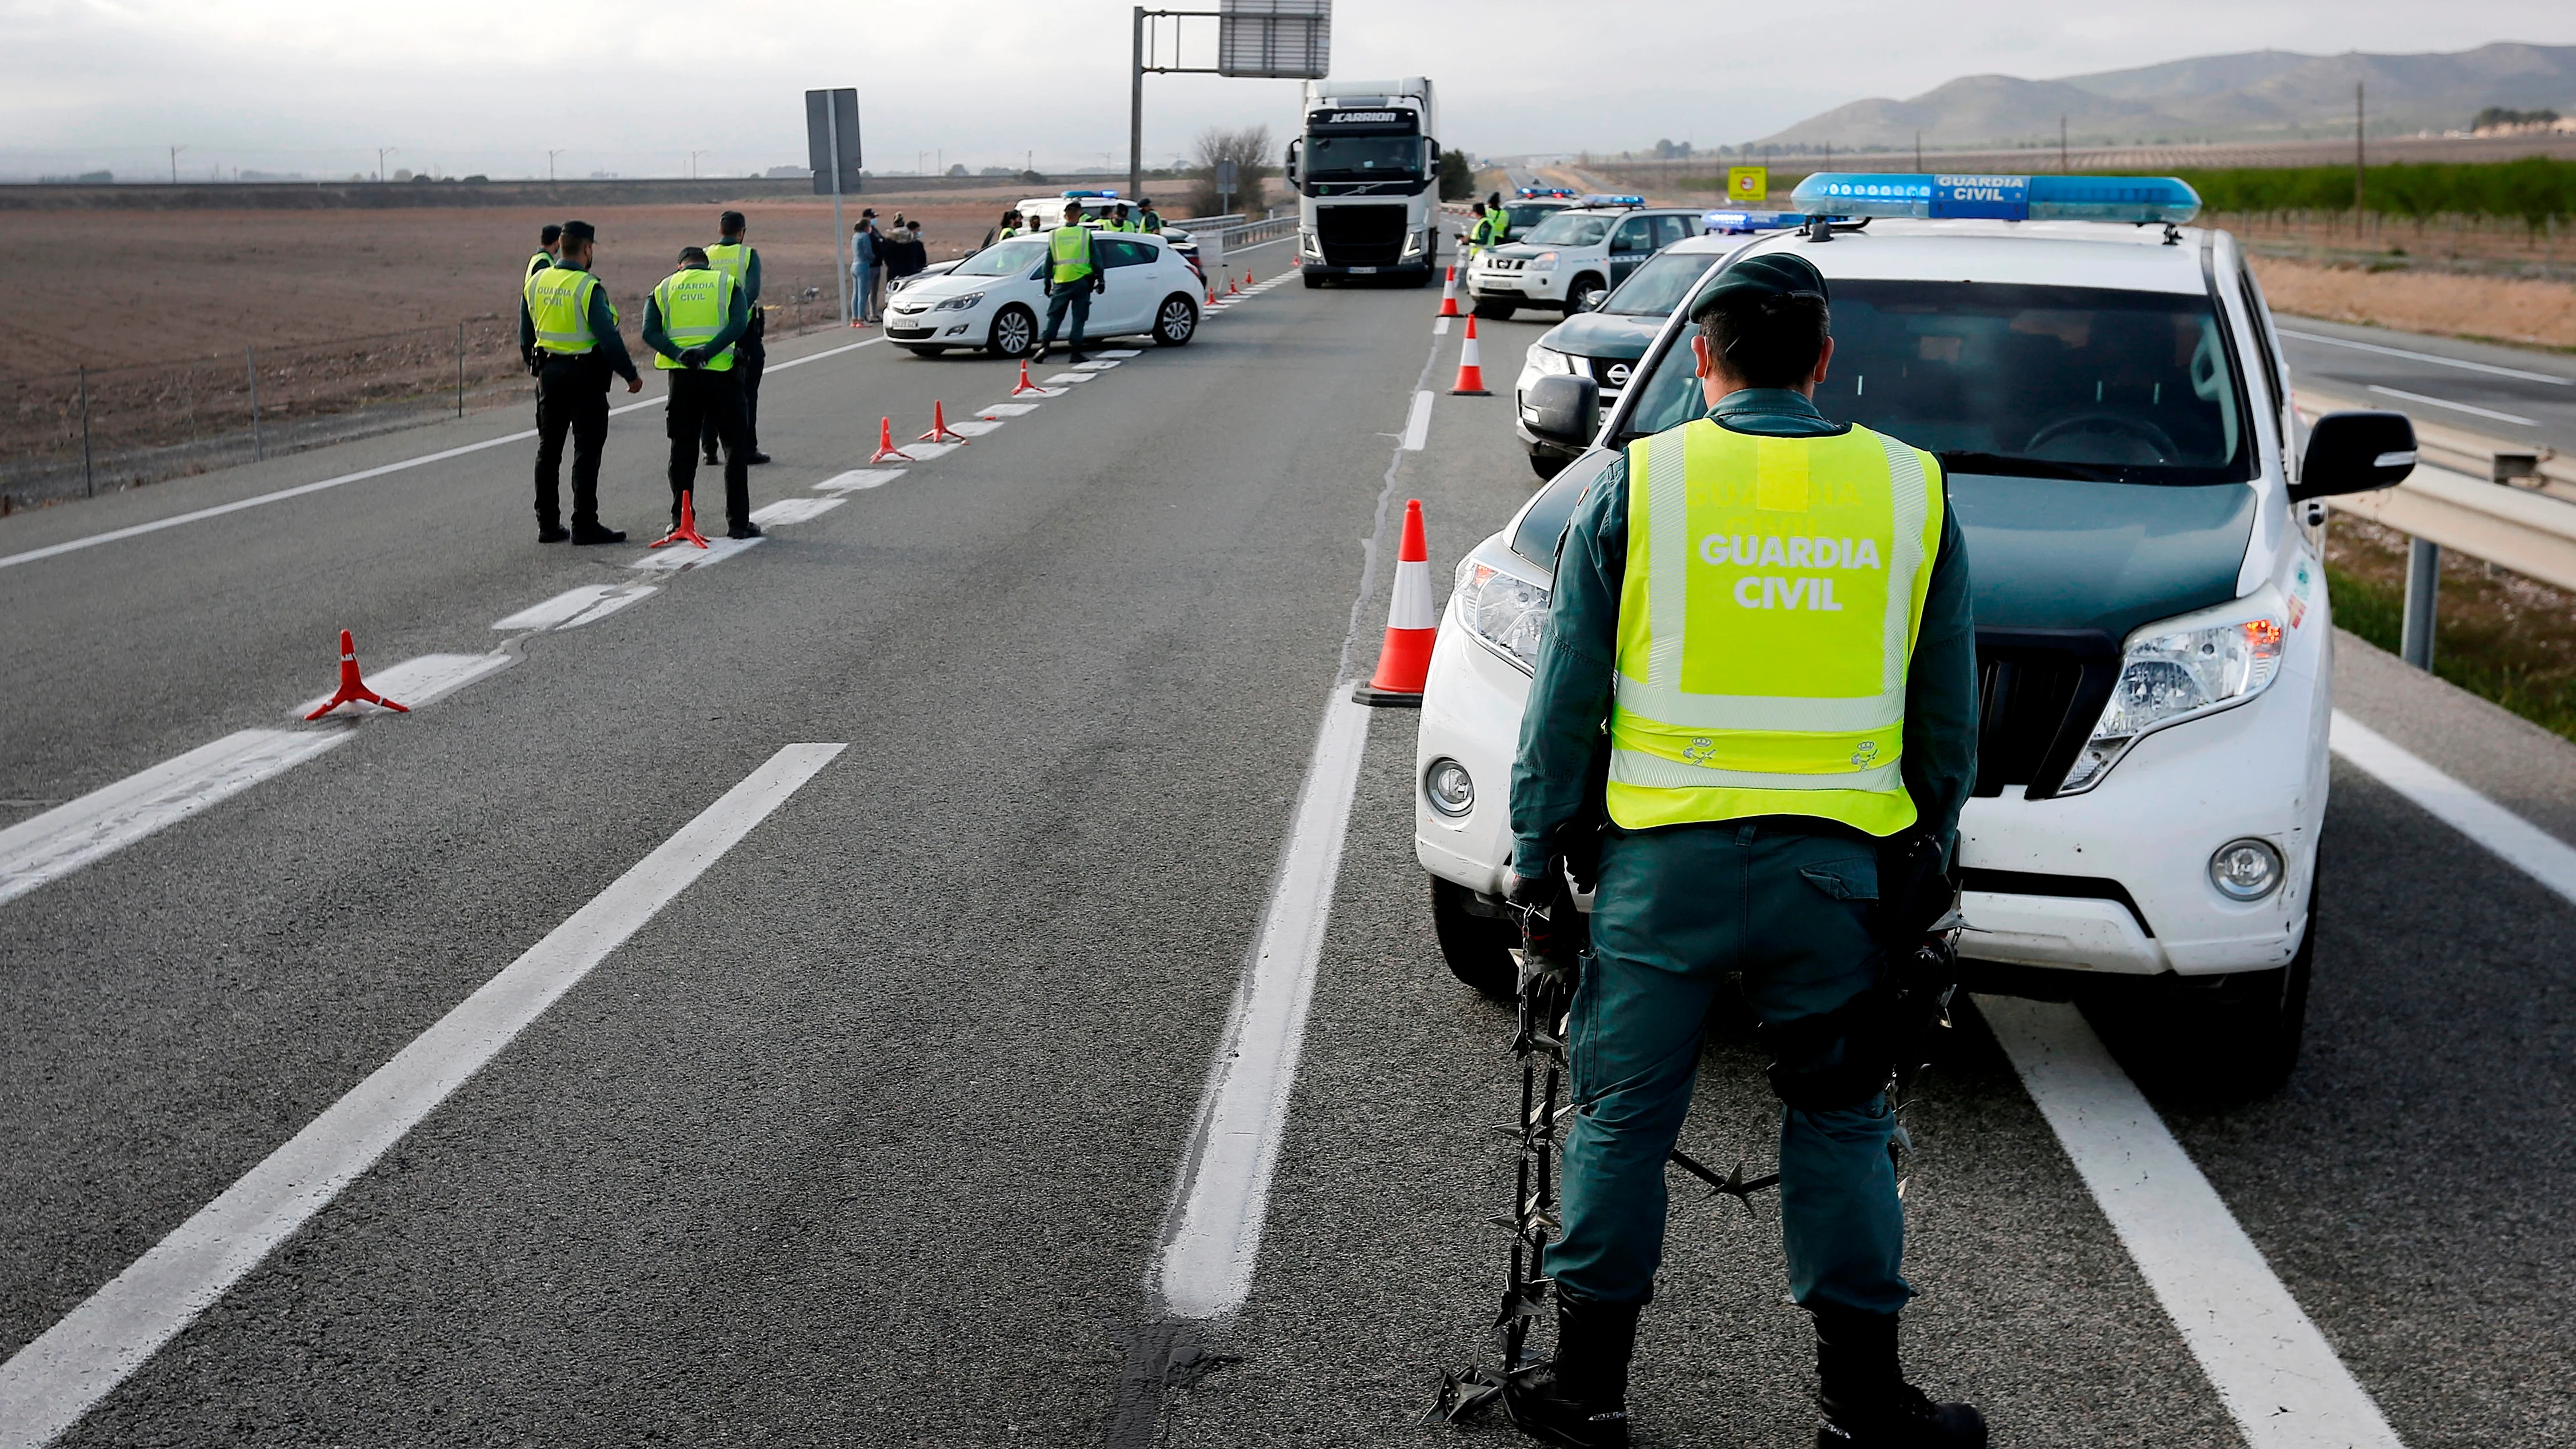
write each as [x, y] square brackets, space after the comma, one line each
[99, 429]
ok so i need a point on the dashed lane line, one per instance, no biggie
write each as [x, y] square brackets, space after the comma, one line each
[1417, 428]
[794, 510]
[2272, 1369]
[858, 478]
[137, 530]
[48, 1385]
[574, 607]
[418, 681]
[680, 558]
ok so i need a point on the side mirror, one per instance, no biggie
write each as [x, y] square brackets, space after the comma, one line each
[1288, 171]
[1563, 408]
[2355, 452]
[1599, 295]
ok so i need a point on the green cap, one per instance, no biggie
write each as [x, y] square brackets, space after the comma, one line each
[1772, 274]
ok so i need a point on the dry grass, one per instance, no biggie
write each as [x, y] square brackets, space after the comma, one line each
[2496, 634]
[2503, 309]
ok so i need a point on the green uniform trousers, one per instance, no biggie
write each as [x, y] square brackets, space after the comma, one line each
[1677, 910]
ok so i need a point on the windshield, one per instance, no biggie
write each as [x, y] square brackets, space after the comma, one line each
[2044, 382]
[1363, 158]
[1522, 215]
[1004, 258]
[1568, 229]
[1659, 284]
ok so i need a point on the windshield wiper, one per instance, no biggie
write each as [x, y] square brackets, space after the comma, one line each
[2011, 465]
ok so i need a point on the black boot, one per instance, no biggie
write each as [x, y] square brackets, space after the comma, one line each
[1581, 1398]
[1867, 1402]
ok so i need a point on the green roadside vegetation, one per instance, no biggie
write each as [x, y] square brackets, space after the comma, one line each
[2498, 635]
[2534, 190]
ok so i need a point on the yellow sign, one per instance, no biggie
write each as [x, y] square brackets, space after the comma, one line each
[1748, 183]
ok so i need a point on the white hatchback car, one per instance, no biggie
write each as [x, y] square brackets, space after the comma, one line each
[2153, 638]
[996, 299]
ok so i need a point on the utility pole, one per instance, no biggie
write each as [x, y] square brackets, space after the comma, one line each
[1918, 151]
[2062, 167]
[174, 163]
[693, 164]
[1136, 112]
[550, 162]
[2356, 157]
[381, 153]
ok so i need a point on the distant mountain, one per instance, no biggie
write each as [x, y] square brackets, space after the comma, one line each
[2264, 93]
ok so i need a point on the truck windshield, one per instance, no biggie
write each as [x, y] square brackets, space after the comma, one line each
[1363, 158]
[1658, 286]
[1566, 229]
[2043, 382]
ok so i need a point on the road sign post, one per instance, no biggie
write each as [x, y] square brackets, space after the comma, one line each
[1265, 39]
[832, 150]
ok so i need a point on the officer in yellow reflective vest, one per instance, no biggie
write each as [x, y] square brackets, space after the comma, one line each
[735, 256]
[549, 241]
[694, 322]
[568, 334]
[1072, 277]
[1498, 221]
[1753, 718]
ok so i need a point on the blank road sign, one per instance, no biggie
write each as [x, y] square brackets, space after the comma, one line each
[825, 113]
[1283, 38]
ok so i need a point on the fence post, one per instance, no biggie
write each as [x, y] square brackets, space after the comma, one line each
[460, 369]
[2423, 581]
[258, 446]
[89, 480]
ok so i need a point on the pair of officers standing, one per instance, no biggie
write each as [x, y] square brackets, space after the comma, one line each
[703, 323]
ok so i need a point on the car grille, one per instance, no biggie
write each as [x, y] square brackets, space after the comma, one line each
[1360, 236]
[1502, 264]
[1612, 372]
[2039, 694]
[892, 331]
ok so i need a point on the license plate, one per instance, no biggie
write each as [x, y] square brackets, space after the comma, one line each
[1358, 270]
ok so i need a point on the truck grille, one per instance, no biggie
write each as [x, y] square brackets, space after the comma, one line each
[2039, 693]
[1360, 236]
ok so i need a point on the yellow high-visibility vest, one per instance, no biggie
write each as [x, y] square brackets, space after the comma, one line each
[1767, 619]
[733, 259]
[559, 305]
[536, 264]
[1071, 248]
[695, 303]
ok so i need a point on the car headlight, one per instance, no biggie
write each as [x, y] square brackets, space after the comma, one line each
[958, 304]
[1544, 360]
[1543, 262]
[2181, 669]
[1507, 614]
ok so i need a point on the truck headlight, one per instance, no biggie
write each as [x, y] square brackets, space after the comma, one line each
[1543, 262]
[958, 304]
[1414, 244]
[2183, 668]
[1506, 614]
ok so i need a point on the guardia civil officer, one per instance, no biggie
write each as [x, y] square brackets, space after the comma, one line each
[1761, 620]
[549, 241]
[694, 321]
[1072, 278]
[735, 256]
[1147, 218]
[568, 336]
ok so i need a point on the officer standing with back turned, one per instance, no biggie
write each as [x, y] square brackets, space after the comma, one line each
[1073, 275]
[1760, 627]
[735, 257]
[568, 337]
[694, 321]
[549, 242]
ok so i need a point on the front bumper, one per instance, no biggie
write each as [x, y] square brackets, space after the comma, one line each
[1517, 285]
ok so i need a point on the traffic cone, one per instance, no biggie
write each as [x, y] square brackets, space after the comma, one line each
[1211, 301]
[1449, 295]
[1231, 289]
[686, 530]
[353, 689]
[1412, 622]
[886, 450]
[1471, 373]
[1247, 278]
[940, 432]
[1024, 386]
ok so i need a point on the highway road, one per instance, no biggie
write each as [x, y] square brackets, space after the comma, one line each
[2514, 393]
[780, 1007]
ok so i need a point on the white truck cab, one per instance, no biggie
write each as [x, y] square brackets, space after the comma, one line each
[2154, 640]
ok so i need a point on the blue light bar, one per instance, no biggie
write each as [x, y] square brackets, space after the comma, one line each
[2133, 199]
[1545, 191]
[1736, 223]
[1603, 199]
[1071, 194]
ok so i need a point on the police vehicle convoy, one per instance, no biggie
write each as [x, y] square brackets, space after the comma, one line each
[2105, 391]
[993, 299]
[1366, 168]
[1606, 343]
[1570, 259]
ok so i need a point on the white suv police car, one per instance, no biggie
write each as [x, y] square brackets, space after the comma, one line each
[1570, 258]
[2113, 415]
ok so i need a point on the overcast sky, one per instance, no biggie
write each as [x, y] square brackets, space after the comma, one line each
[490, 85]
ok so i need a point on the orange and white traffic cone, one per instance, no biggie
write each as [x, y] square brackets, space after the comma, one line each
[1471, 372]
[1024, 386]
[940, 432]
[686, 530]
[1231, 289]
[1247, 278]
[886, 451]
[1449, 295]
[1211, 301]
[353, 688]
[1412, 622]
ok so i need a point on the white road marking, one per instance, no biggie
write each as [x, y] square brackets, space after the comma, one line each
[415, 682]
[2519, 843]
[1417, 428]
[924, 452]
[281, 495]
[2458, 362]
[1206, 1268]
[573, 608]
[2271, 1367]
[794, 510]
[858, 478]
[1063, 378]
[1094, 366]
[1122, 352]
[1440, 327]
[47, 847]
[1006, 410]
[47, 1386]
[2457, 407]
[975, 427]
[681, 557]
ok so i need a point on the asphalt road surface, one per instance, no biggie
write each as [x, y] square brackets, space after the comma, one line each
[2511, 393]
[860, 1098]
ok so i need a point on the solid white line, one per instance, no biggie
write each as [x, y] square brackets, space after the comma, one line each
[1417, 428]
[2457, 407]
[48, 1385]
[2457, 362]
[2271, 1367]
[2518, 842]
[1206, 1268]
[52, 845]
[299, 490]
[416, 682]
